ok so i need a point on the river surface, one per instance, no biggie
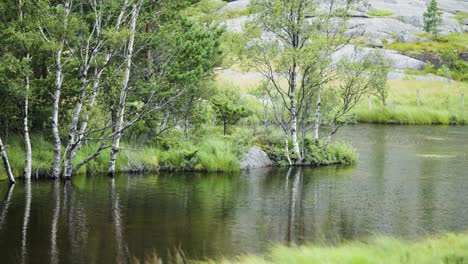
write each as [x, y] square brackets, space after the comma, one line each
[410, 182]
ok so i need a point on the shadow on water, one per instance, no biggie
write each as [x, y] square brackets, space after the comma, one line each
[393, 190]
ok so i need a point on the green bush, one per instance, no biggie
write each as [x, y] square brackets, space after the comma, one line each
[333, 153]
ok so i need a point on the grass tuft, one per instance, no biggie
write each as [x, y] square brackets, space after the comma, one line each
[380, 13]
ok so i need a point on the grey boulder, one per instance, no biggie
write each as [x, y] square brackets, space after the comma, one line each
[255, 158]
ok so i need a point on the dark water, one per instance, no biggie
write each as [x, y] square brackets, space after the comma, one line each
[409, 182]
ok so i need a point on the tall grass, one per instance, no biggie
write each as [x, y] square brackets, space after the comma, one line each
[440, 103]
[207, 155]
[447, 249]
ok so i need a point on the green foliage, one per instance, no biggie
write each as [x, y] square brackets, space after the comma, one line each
[325, 154]
[228, 110]
[380, 13]
[459, 16]
[433, 18]
[315, 154]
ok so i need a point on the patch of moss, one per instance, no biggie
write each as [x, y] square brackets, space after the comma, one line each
[380, 13]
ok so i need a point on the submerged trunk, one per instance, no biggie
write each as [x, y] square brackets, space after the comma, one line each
[54, 252]
[6, 163]
[55, 116]
[27, 213]
[119, 122]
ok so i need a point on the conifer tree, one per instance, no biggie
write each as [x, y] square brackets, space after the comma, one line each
[432, 18]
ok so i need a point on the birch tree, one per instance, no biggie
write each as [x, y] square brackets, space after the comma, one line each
[6, 162]
[118, 124]
[291, 43]
[93, 51]
[54, 28]
[17, 41]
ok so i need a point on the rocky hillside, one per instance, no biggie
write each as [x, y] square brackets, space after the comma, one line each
[381, 22]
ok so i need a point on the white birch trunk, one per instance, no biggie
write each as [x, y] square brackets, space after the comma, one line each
[295, 141]
[6, 163]
[287, 151]
[57, 94]
[293, 113]
[73, 136]
[55, 115]
[77, 136]
[119, 123]
[27, 140]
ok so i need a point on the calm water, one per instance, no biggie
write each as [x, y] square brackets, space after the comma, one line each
[409, 182]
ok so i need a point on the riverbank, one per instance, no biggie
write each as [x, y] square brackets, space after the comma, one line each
[439, 103]
[210, 153]
[449, 248]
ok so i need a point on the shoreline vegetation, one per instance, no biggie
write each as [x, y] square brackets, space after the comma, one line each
[447, 249]
[212, 154]
[439, 103]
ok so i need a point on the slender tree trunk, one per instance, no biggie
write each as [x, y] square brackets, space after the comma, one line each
[295, 141]
[73, 136]
[77, 137]
[293, 112]
[6, 163]
[92, 100]
[55, 116]
[288, 157]
[27, 140]
[318, 105]
[57, 94]
[123, 93]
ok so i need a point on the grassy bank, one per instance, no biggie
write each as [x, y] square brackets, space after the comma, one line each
[447, 249]
[210, 155]
[440, 103]
[212, 152]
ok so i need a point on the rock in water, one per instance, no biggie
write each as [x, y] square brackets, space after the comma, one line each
[255, 158]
